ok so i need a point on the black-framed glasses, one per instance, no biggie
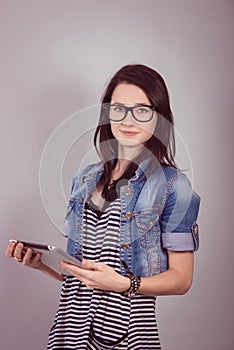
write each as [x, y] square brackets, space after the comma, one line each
[141, 113]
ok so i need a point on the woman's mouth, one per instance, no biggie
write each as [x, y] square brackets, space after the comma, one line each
[128, 133]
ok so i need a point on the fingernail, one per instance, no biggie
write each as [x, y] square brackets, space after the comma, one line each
[86, 263]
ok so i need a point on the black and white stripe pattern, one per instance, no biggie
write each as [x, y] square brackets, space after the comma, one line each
[99, 320]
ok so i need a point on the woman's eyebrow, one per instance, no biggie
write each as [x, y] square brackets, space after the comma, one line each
[135, 104]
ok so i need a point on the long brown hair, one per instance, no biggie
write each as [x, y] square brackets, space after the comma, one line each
[161, 145]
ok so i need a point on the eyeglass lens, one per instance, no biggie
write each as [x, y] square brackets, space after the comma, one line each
[140, 113]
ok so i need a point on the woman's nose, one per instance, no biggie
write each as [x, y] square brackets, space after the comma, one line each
[129, 119]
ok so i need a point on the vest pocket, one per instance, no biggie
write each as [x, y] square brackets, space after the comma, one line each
[147, 224]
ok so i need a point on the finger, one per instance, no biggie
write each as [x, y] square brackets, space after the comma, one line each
[67, 266]
[73, 269]
[18, 252]
[10, 250]
[89, 265]
[94, 266]
[37, 258]
[31, 259]
[84, 275]
[28, 256]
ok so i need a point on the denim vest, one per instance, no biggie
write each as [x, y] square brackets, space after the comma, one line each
[158, 212]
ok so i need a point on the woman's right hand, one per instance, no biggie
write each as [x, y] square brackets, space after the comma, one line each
[28, 258]
[25, 257]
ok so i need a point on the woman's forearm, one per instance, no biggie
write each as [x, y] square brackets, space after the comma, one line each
[170, 282]
[176, 280]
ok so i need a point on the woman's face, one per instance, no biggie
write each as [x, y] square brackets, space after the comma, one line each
[129, 131]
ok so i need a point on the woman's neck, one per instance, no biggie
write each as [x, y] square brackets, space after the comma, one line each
[125, 156]
[119, 168]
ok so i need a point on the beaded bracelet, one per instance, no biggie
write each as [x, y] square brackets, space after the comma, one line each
[135, 282]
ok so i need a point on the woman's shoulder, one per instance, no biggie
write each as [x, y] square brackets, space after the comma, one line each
[179, 185]
[170, 171]
[167, 179]
[176, 179]
[174, 173]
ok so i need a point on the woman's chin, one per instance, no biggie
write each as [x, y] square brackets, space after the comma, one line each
[128, 142]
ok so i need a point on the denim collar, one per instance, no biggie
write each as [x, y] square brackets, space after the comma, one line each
[142, 171]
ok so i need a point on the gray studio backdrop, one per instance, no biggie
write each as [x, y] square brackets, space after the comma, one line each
[56, 57]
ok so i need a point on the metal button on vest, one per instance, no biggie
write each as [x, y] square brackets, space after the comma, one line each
[126, 245]
[195, 229]
[128, 191]
[128, 214]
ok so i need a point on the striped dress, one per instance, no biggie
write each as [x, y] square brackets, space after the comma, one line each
[91, 319]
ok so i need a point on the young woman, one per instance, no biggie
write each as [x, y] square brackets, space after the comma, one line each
[131, 218]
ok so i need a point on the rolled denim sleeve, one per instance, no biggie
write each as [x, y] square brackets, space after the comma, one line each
[178, 219]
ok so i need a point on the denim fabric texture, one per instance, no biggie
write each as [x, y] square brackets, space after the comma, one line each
[159, 212]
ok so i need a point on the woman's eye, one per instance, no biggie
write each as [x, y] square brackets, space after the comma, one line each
[142, 110]
[119, 109]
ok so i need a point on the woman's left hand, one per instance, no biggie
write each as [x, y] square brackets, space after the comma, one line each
[97, 275]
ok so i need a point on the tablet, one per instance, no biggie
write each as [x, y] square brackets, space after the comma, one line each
[51, 255]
